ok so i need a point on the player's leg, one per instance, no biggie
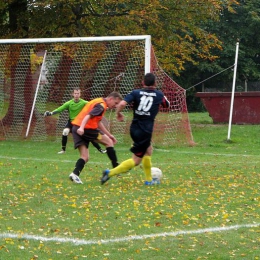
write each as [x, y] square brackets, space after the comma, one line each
[147, 167]
[147, 164]
[84, 155]
[111, 153]
[123, 167]
[126, 165]
[64, 139]
[140, 145]
[82, 146]
[98, 147]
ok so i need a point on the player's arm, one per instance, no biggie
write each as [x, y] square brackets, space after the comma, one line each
[122, 104]
[58, 110]
[80, 130]
[48, 113]
[165, 102]
[105, 131]
[96, 111]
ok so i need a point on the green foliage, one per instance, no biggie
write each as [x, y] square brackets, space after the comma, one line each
[241, 25]
[175, 27]
[214, 184]
[193, 40]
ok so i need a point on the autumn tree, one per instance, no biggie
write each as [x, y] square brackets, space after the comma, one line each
[175, 26]
[240, 25]
[15, 23]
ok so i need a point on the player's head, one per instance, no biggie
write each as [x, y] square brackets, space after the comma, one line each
[76, 94]
[113, 99]
[149, 80]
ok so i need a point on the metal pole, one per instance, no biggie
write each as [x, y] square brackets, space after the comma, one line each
[148, 48]
[35, 96]
[233, 93]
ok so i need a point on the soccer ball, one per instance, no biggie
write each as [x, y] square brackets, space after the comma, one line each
[156, 173]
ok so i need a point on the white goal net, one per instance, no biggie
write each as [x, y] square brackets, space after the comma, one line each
[40, 74]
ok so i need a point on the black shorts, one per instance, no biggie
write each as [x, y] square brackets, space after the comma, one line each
[69, 125]
[88, 136]
[141, 140]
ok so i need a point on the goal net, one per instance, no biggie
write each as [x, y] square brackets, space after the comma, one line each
[37, 75]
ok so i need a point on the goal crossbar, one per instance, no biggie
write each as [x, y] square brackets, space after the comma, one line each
[78, 39]
[147, 39]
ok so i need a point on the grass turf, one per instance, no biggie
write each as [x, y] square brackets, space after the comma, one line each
[207, 206]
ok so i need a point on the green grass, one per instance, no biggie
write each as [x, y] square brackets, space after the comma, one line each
[214, 184]
[200, 118]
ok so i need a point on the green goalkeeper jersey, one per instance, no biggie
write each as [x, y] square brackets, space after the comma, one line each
[73, 108]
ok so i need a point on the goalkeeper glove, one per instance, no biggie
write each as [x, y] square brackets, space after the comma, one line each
[47, 113]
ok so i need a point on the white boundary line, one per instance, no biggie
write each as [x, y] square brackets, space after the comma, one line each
[159, 150]
[95, 162]
[126, 239]
[205, 153]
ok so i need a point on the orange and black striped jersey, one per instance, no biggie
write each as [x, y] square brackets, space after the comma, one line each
[87, 109]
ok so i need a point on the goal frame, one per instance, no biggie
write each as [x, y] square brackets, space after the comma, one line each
[148, 64]
[147, 39]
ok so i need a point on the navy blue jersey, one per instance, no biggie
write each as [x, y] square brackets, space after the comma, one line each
[146, 104]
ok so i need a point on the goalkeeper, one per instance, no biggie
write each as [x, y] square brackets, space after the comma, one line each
[146, 103]
[73, 106]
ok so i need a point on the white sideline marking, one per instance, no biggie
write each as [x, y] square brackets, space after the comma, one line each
[37, 159]
[159, 163]
[205, 153]
[125, 239]
[98, 162]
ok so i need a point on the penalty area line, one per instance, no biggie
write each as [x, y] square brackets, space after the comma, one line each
[128, 238]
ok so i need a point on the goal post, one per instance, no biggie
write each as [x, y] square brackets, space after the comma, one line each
[35, 95]
[40, 74]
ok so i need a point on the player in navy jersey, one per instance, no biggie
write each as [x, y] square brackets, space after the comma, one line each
[146, 103]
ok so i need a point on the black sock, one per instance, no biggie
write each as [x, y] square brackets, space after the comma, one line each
[111, 153]
[79, 166]
[64, 142]
[96, 145]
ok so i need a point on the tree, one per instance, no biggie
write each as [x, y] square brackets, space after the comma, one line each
[15, 23]
[175, 26]
[14, 19]
[239, 25]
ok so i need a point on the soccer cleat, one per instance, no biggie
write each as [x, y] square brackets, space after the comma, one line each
[75, 178]
[105, 177]
[61, 152]
[154, 181]
[102, 151]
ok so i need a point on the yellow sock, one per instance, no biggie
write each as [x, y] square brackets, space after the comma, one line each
[147, 164]
[123, 167]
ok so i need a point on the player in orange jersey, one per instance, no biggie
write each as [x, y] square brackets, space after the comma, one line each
[87, 127]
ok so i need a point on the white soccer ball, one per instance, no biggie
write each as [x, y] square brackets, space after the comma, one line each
[156, 173]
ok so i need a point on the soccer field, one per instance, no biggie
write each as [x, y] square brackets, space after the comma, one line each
[207, 206]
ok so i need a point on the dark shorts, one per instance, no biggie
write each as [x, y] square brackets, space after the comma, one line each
[88, 136]
[69, 125]
[141, 140]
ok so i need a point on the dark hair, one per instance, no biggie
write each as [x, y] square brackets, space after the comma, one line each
[149, 79]
[115, 94]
